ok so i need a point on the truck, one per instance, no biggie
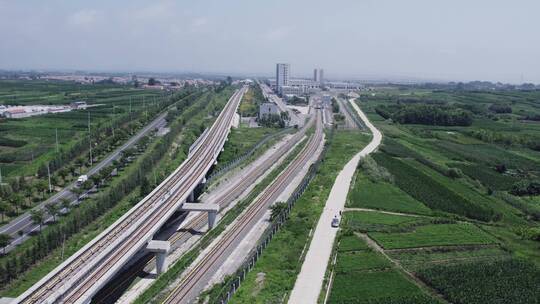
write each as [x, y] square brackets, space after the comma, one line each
[81, 180]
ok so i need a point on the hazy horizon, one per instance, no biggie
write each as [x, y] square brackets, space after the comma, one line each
[450, 41]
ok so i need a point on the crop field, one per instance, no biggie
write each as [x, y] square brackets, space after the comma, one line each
[375, 221]
[480, 244]
[384, 196]
[434, 235]
[365, 276]
[28, 142]
[417, 259]
[431, 192]
[506, 281]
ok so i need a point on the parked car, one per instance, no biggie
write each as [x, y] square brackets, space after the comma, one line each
[335, 222]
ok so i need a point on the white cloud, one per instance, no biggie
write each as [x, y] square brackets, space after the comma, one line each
[85, 18]
[278, 33]
[199, 22]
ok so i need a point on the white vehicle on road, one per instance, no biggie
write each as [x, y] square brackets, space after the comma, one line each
[82, 179]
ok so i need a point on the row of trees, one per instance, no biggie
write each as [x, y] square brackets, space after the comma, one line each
[22, 192]
[506, 139]
[274, 120]
[427, 115]
[53, 236]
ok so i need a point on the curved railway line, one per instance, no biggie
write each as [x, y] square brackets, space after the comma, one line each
[246, 219]
[113, 244]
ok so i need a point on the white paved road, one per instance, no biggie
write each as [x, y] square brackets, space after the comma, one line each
[309, 282]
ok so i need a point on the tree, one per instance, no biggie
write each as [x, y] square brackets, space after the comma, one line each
[79, 162]
[17, 201]
[277, 210]
[38, 217]
[53, 210]
[42, 186]
[5, 240]
[96, 178]
[65, 204]
[145, 186]
[63, 173]
[152, 81]
[4, 209]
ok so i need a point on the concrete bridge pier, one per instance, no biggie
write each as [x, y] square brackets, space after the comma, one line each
[211, 219]
[211, 209]
[161, 249]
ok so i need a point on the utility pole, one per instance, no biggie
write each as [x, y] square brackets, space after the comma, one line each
[56, 133]
[49, 173]
[90, 139]
[144, 106]
[114, 116]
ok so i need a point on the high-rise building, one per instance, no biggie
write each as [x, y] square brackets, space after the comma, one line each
[316, 75]
[321, 75]
[282, 75]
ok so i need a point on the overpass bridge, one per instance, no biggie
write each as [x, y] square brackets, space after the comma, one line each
[80, 277]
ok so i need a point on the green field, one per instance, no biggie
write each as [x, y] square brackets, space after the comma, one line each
[351, 243]
[365, 276]
[241, 140]
[384, 196]
[38, 134]
[507, 281]
[376, 221]
[434, 235]
[417, 259]
[467, 175]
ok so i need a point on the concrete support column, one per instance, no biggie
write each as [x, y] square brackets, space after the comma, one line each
[211, 209]
[191, 197]
[161, 249]
[211, 219]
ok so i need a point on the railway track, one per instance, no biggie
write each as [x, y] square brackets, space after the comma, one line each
[232, 193]
[81, 271]
[245, 220]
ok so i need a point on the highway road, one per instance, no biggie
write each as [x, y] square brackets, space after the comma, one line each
[83, 274]
[24, 222]
[310, 279]
[194, 280]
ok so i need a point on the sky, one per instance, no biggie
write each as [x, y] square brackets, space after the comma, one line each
[461, 40]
